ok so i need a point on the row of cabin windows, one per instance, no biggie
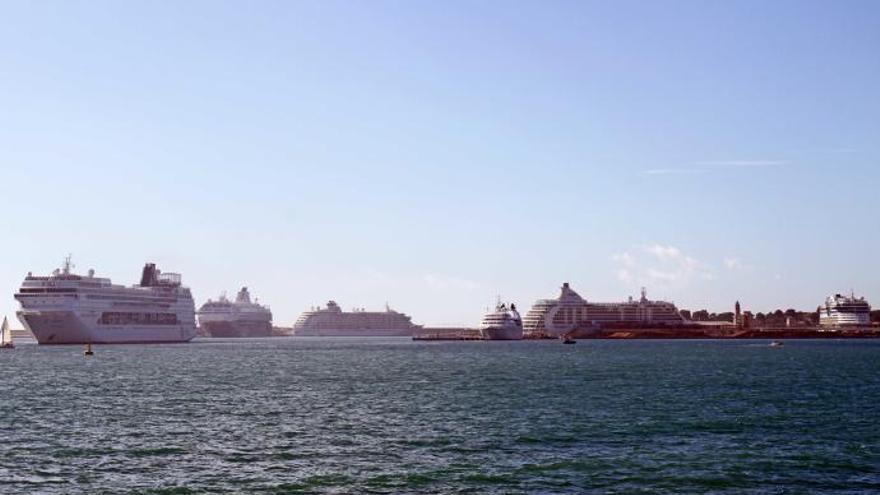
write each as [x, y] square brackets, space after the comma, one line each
[119, 318]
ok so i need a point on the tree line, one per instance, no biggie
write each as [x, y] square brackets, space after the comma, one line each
[771, 318]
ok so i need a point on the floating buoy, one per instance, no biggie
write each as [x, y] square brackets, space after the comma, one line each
[88, 351]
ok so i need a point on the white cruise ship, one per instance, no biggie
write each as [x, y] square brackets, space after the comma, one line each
[556, 317]
[502, 324]
[241, 318]
[333, 322]
[66, 308]
[842, 311]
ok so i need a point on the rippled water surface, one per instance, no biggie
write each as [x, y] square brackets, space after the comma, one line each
[392, 415]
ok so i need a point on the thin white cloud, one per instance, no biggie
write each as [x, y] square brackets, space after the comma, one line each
[732, 263]
[663, 253]
[660, 265]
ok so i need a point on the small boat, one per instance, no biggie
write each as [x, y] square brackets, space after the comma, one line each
[566, 339]
[777, 343]
[88, 351]
[6, 336]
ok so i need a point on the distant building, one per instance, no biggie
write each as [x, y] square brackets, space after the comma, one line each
[747, 320]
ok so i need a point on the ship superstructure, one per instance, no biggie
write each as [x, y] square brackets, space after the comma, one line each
[333, 322]
[843, 311]
[556, 317]
[239, 318]
[67, 308]
[502, 324]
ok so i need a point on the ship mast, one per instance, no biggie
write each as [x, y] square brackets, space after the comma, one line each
[65, 269]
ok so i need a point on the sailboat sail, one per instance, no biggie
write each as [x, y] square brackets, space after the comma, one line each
[5, 333]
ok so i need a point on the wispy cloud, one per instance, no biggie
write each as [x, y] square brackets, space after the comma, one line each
[663, 253]
[732, 263]
[660, 265]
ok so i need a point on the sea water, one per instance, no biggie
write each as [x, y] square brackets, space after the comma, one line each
[389, 415]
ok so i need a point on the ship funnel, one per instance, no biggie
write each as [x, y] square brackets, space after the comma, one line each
[149, 277]
[243, 296]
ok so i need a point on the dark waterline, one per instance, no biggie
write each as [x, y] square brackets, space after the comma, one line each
[392, 415]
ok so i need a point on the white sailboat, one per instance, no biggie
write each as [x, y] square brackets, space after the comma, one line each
[6, 335]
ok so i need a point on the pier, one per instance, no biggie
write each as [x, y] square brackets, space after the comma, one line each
[447, 333]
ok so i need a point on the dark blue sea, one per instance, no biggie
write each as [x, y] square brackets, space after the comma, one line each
[295, 415]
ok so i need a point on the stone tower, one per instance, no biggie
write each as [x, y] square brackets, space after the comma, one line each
[737, 316]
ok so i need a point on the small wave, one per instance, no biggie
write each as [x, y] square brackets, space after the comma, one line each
[489, 479]
[527, 439]
[157, 451]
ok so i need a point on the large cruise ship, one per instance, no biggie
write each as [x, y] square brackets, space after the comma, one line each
[333, 322]
[502, 324]
[241, 318]
[556, 317]
[66, 308]
[843, 311]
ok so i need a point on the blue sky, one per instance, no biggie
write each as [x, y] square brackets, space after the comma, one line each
[435, 154]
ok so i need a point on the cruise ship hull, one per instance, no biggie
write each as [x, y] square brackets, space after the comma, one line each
[570, 312]
[69, 327]
[333, 322]
[497, 333]
[349, 332]
[237, 329]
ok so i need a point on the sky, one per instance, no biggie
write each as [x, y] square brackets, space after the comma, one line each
[436, 155]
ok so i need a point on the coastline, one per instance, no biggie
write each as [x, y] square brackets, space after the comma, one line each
[657, 333]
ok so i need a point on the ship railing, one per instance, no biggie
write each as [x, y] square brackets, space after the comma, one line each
[170, 278]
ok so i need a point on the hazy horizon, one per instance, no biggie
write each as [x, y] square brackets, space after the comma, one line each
[433, 156]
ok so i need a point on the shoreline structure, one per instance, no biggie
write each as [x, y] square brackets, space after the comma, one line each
[66, 308]
[571, 317]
